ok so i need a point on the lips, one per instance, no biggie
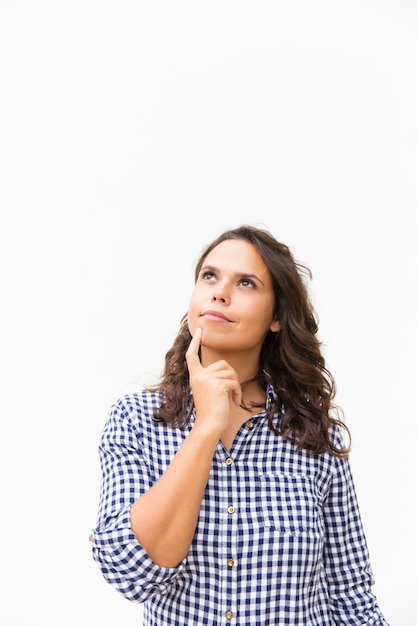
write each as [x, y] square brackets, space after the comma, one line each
[216, 316]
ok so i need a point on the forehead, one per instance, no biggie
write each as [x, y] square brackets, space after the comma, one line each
[237, 256]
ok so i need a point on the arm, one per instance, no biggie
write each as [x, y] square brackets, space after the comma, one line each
[346, 557]
[126, 473]
[165, 517]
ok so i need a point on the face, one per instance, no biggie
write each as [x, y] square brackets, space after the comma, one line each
[233, 299]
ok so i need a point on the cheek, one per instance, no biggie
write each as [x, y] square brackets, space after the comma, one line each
[263, 321]
[193, 314]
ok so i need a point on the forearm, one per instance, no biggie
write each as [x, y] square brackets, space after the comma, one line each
[165, 517]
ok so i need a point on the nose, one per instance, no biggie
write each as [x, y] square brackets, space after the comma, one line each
[217, 298]
[221, 292]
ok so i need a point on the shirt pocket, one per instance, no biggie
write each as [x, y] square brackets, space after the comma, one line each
[290, 503]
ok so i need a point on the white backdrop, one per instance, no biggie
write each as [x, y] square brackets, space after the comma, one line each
[131, 134]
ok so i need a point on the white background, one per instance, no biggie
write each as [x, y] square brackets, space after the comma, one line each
[132, 133]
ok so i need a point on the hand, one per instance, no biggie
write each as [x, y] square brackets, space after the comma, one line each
[214, 388]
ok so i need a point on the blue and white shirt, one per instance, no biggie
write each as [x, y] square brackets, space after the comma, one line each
[279, 538]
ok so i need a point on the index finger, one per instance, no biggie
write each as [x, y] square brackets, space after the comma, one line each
[192, 356]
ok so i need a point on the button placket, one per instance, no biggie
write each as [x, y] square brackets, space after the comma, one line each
[230, 569]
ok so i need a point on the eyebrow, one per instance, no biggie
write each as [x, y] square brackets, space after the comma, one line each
[214, 269]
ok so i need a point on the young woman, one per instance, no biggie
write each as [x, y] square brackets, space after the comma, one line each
[227, 496]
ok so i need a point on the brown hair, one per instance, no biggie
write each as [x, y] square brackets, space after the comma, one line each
[291, 359]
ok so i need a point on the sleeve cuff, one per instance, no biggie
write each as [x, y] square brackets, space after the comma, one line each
[125, 563]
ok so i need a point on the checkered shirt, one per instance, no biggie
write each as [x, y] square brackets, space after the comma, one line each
[279, 539]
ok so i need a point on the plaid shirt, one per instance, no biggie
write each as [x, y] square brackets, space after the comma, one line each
[279, 538]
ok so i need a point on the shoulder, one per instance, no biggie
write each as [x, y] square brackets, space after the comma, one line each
[131, 427]
[142, 401]
[134, 409]
[340, 437]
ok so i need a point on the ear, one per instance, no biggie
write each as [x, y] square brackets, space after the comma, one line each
[275, 326]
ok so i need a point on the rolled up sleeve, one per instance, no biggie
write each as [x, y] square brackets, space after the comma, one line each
[347, 564]
[126, 475]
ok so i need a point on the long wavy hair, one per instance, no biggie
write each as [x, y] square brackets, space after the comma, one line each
[290, 359]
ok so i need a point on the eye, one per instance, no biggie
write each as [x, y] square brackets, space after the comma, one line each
[247, 282]
[208, 275]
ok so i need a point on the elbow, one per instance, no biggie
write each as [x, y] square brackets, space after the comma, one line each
[166, 555]
[122, 583]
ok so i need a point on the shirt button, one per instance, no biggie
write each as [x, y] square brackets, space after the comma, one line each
[249, 424]
[91, 537]
[231, 509]
[229, 461]
[229, 614]
[230, 562]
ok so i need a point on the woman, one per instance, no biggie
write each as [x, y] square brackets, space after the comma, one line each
[227, 496]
